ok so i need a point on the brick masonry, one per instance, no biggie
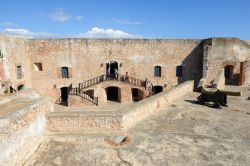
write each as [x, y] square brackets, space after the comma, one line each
[87, 58]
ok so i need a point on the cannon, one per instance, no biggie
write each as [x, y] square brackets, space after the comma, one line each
[217, 96]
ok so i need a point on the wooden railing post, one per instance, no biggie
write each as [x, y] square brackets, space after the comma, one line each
[79, 88]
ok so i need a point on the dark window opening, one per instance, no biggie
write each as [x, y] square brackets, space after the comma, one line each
[113, 94]
[137, 94]
[157, 71]
[178, 71]
[20, 87]
[19, 72]
[158, 89]
[65, 72]
[64, 96]
[38, 67]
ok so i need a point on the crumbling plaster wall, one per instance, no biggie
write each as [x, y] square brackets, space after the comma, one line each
[22, 131]
[221, 50]
[15, 52]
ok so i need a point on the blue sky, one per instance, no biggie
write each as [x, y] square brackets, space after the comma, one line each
[195, 19]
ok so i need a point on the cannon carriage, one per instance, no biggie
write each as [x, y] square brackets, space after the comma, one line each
[216, 96]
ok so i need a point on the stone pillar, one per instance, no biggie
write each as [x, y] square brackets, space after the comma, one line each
[126, 94]
[243, 71]
[247, 74]
[100, 92]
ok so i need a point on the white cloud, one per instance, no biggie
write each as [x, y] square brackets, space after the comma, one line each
[127, 22]
[8, 24]
[59, 15]
[92, 33]
[106, 33]
[26, 33]
[79, 17]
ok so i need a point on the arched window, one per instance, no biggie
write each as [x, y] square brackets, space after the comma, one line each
[20, 87]
[65, 72]
[157, 71]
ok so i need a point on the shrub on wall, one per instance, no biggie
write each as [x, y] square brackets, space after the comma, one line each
[6, 91]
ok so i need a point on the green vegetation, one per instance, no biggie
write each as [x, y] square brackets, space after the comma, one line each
[6, 91]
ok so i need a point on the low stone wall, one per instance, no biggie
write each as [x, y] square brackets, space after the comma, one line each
[82, 121]
[22, 131]
[147, 107]
[120, 120]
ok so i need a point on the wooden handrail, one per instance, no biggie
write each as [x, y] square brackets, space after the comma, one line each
[81, 93]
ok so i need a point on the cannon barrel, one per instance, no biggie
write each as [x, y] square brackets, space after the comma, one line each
[226, 92]
[230, 93]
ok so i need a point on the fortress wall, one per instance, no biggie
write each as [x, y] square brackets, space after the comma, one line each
[15, 51]
[74, 122]
[22, 131]
[87, 59]
[226, 49]
[141, 110]
[248, 41]
[119, 120]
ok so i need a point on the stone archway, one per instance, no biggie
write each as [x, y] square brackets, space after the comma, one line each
[113, 93]
[234, 72]
[137, 94]
[158, 89]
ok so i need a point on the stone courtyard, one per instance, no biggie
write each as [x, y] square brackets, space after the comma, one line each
[182, 133]
[79, 101]
[176, 132]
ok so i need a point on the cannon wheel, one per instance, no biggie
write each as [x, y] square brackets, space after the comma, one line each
[200, 100]
[217, 105]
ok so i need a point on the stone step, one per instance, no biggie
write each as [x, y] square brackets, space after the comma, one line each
[109, 138]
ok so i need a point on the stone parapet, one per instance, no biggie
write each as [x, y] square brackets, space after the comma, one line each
[22, 131]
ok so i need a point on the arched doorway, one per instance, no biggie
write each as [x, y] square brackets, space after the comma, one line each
[64, 96]
[228, 72]
[231, 78]
[137, 94]
[111, 67]
[158, 89]
[20, 87]
[113, 94]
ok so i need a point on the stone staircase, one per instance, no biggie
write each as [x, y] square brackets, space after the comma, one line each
[79, 91]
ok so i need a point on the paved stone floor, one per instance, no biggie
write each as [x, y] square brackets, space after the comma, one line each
[109, 106]
[183, 133]
[12, 106]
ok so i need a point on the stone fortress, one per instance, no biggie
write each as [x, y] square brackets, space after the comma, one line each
[77, 86]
